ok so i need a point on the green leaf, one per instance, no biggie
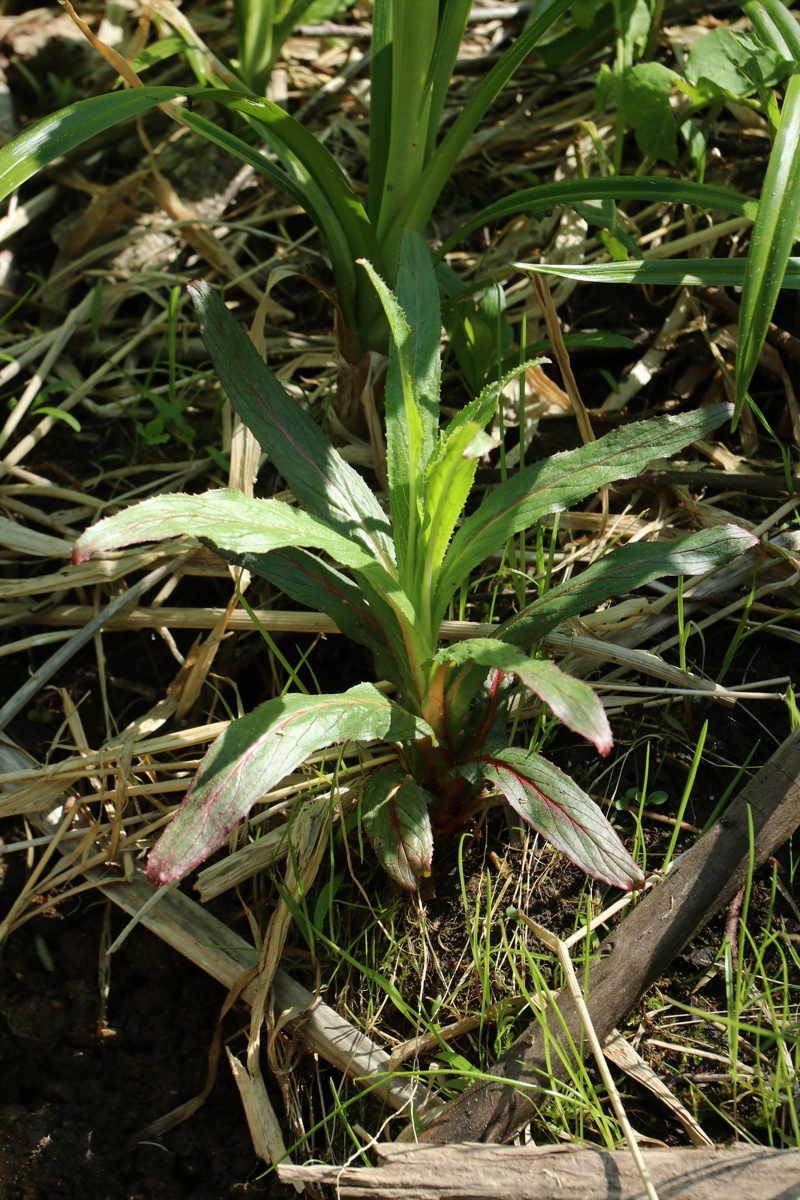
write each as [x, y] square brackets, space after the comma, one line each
[319, 477]
[561, 811]
[408, 439]
[675, 272]
[571, 700]
[623, 570]
[239, 523]
[315, 584]
[61, 132]
[558, 482]
[395, 813]
[256, 752]
[539, 200]
[646, 90]
[719, 64]
[774, 234]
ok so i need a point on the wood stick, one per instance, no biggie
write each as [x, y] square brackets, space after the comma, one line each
[635, 954]
[475, 1172]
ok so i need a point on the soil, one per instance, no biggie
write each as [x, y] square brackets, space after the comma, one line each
[76, 1085]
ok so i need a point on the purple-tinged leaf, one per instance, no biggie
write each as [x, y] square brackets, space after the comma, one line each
[256, 752]
[571, 700]
[322, 481]
[561, 811]
[395, 814]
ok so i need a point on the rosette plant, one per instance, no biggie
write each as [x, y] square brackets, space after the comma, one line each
[388, 579]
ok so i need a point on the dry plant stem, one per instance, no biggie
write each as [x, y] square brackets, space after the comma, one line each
[556, 946]
[636, 954]
[408, 1172]
[56, 661]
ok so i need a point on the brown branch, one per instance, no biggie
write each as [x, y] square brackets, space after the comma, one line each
[558, 1173]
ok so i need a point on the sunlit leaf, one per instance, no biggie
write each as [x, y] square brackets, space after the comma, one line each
[256, 752]
[571, 700]
[561, 811]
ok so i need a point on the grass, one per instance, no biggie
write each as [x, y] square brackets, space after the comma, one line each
[445, 983]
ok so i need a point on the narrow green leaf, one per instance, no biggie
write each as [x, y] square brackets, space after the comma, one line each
[558, 482]
[539, 200]
[317, 585]
[571, 700]
[62, 131]
[319, 477]
[561, 811]
[256, 752]
[674, 272]
[774, 234]
[421, 202]
[405, 430]
[624, 570]
[395, 813]
[447, 485]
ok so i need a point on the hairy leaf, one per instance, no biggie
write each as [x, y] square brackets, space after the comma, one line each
[623, 570]
[555, 483]
[571, 700]
[256, 752]
[319, 477]
[395, 813]
[561, 811]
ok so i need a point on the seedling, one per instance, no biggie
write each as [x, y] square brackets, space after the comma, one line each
[388, 581]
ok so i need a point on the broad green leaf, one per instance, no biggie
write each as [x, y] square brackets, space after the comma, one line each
[256, 752]
[319, 477]
[719, 64]
[315, 584]
[674, 272]
[646, 90]
[623, 570]
[394, 809]
[539, 200]
[561, 811]
[239, 523]
[571, 700]
[774, 234]
[558, 482]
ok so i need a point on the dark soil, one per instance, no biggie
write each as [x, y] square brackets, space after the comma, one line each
[74, 1089]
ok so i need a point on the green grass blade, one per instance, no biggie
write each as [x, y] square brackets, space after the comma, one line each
[556, 483]
[414, 31]
[380, 104]
[416, 212]
[774, 234]
[61, 132]
[453, 18]
[541, 199]
[675, 272]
